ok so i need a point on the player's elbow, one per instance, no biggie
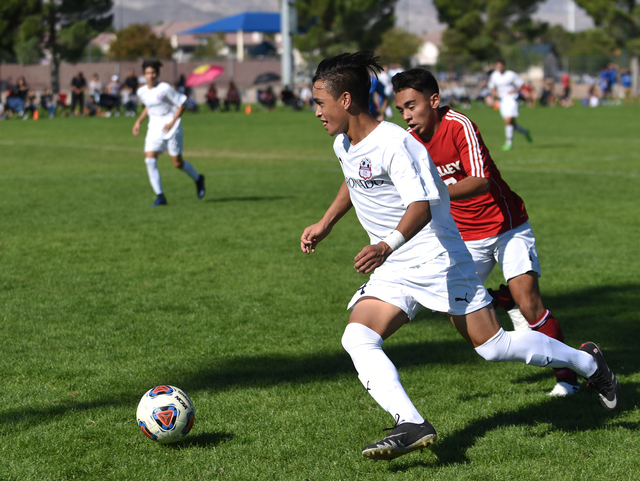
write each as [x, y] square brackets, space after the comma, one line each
[484, 186]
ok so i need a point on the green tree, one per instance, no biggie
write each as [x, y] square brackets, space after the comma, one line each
[215, 43]
[620, 19]
[477, 28]
[68, 26]
[398, 46]
[335, 26]
[139, 40]
[13, 14]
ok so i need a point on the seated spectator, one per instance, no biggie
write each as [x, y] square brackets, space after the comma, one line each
[289, 98]
[548, 97]
[92, 109]
[528, 94]
[62, 103]
[15, 103]
[460, 95]
[31, 104]
[129, 101]
[113, 99]
[306, 96]
[267, 98]
[212, 97]
[232, 98]
[47, 102]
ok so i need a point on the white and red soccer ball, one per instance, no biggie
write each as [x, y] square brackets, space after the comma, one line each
[165, 414]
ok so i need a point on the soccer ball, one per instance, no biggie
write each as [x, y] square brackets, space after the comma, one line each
[165, 414]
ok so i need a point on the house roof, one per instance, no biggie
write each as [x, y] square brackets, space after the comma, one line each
[170, 29]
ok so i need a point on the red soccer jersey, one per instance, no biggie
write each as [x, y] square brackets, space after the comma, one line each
[458, 151]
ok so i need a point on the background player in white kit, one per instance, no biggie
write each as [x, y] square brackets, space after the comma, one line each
[505, 85]
[416, 257]
[164, 107]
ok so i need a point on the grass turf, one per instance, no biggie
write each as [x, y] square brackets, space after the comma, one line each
[103, 297]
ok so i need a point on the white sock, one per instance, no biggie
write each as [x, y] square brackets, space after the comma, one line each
[536, 349]
[377, 373]
[508, 133]
[188, 169]
[154, 174]
[519, 322]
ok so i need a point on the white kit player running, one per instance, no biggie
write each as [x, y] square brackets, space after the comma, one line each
[416, 257]
[505, 85]
[164, 107]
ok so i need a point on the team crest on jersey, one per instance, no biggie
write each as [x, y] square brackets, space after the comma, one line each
[365, 169]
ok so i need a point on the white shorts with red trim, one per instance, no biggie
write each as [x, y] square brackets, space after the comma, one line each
[514, 250]
[446, 284]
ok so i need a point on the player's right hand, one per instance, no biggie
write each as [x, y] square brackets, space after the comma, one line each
[311, 236]
[136, 129]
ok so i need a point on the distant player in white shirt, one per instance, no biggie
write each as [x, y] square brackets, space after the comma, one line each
[505, 85]
[416, 257]
[164, 107]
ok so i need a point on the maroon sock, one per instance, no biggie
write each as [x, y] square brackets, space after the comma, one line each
[549, 326]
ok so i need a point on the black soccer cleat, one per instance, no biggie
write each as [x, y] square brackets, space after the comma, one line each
[403, 439]
[160, 200]
[603, 380]
[200, 186]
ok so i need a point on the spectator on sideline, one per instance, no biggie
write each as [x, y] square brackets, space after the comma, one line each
[212, 97]
[268, 98]
[131, 103]
[78, 86]
[31, 104]
[113, 97]
[232, 98]
[95, 87]
[47, 102]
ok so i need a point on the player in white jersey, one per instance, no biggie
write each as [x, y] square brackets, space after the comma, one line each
[505, 85]
[416, 257]
[164, 107]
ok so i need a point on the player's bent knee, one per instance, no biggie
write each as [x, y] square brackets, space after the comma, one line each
[357, 335]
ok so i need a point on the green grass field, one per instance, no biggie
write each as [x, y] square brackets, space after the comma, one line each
[103, 297]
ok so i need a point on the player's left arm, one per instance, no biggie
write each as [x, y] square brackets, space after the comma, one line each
[416, 217]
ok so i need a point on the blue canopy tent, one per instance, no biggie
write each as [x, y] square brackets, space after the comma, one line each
[267, 22]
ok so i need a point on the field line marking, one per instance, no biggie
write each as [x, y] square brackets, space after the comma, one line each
[187, 153]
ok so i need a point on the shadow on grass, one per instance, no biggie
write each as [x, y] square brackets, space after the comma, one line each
[606, 315]
[202, 440]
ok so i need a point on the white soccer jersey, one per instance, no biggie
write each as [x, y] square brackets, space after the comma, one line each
[162, 102]
[506, 83]
[387, 171]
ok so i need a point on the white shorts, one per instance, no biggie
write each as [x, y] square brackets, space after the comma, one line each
[509, 107]
[172, 145]
[445, 284]
[514, 250]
